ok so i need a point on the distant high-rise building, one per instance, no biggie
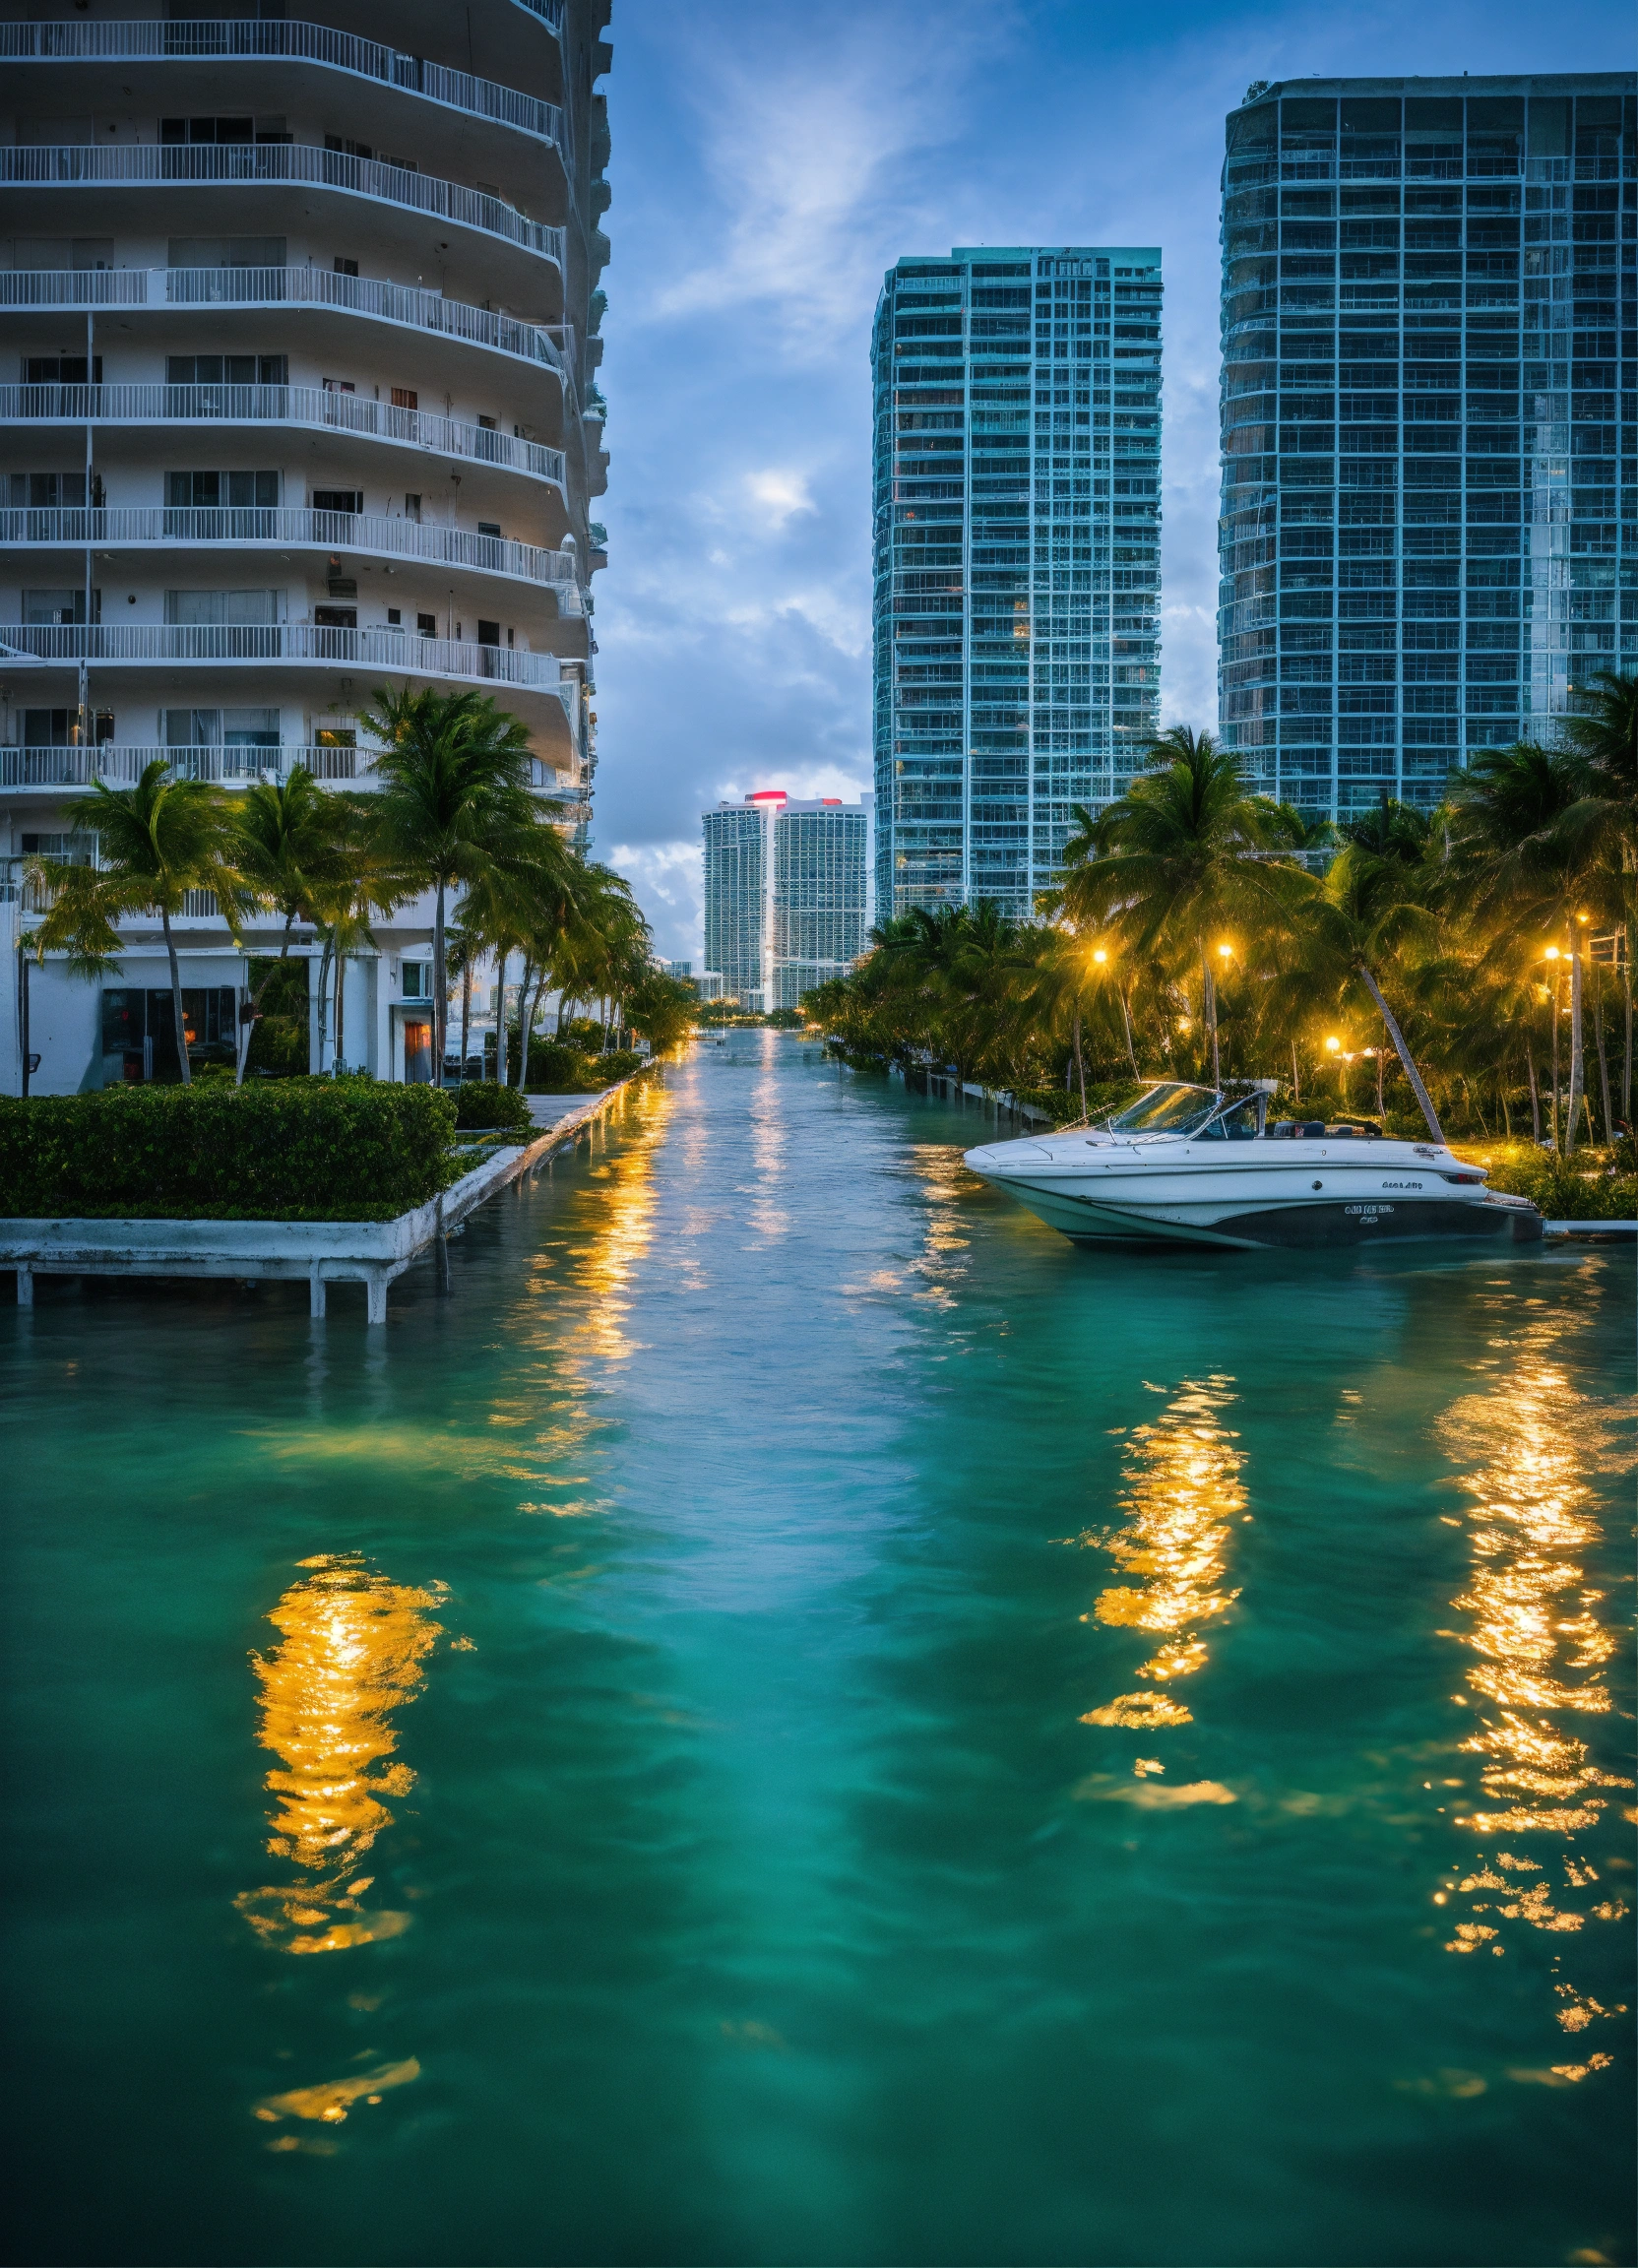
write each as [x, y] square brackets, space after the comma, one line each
[1017, 560]
[1427, 326]
[785, 895]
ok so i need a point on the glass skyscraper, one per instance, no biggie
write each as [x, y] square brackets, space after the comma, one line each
[1429, 506]
[1016, 485]
[785, 895]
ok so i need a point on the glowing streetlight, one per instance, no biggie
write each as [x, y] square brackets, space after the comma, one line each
[1552, 952]
[1099, 955]
[1226, 952]
[1332, 1046]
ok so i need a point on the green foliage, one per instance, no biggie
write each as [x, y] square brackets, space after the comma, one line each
[558, 1070]
[299, 1149]
[486, 1102]
[1578, 1188]
[278, 1044]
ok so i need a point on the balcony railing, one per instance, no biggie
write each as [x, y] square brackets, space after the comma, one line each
[311, 405]
[374, 649]
[120, 763]
[276, 162]
[247, 40]
[170, 524]
[401, 303]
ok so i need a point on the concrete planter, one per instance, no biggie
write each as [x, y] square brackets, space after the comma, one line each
[323, 1252]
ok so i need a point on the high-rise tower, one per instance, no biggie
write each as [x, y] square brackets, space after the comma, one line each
[785, 895]
[301, 403]
[1428, 360]
[1017, 562]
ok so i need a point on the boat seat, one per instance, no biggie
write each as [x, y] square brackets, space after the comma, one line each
[1310, 1127]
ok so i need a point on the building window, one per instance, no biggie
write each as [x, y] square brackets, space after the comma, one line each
[228, 370]
[426, 625]
[205, 491]
[488, 633]
[344, 266]
[338, 500]
[406, 398]
[417, 980]
[412, 508]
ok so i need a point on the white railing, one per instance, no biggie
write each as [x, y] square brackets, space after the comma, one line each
[276, 162]
[120, 762]
[374, 649]
[271, 523]
[146, 404]
[249, 41]
[403, 303]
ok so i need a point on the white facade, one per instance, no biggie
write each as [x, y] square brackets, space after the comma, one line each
[785, 895]
[297, 342]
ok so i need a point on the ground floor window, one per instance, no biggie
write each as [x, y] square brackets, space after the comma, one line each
[139, 1030]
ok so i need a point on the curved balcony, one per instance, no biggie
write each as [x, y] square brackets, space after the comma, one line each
[273, 164]
[247, 40]
[406, 306]
[310, 406]
[48, 771]
[236, 526]
[554, 703]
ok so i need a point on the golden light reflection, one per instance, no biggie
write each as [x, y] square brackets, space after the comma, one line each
[613, 1229]
[352, 1646]
[1528, 1448]
[1182, 1497]
[945, 1184]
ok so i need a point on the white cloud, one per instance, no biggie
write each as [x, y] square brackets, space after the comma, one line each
[780, 493]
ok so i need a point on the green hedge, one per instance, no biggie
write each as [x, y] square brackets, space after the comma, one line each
[292, 1150]
[486, 1102]
[1578, 1188]
[559, 1070]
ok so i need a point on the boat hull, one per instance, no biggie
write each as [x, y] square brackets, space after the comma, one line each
[1247, 1207]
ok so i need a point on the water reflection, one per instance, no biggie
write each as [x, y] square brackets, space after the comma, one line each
[945, 1185]
[352, 1644]
[1181, 1497]
[615, 1224]
[1529, 1447]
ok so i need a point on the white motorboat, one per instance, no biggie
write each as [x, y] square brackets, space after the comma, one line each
[1191, 1164]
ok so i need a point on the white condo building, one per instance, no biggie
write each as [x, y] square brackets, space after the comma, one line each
[785, 895]
[296, 401]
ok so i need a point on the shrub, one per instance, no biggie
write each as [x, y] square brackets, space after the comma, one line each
[486, 1102]
[294, 1149]
[1578, 1188]
[556, 1070]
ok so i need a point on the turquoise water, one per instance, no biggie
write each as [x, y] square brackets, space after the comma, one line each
[796, 1716]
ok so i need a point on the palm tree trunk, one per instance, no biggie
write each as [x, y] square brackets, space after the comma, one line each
[1506, 1115]
[526, 1018]
[500, 1016]
[1553, 1106]
[177, 999]
[1404, 1053]
[1604, 1060]
[324, 1001]
[1626, 1061]
[1381, 1066]
[341, 1005]
[1209, 994]
[440, 987]
[1127, 1019]
[1296, 1083]
[1534, 1092]
[1079, 1065]
[247, 1030]
[466, 1007]
[1577, 1062]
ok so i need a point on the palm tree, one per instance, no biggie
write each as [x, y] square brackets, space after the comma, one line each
[1184, 853]
[156, 842]
[291, 843]
[1603, 734]
[1366, 910]
[1518, 856]
[455, 807]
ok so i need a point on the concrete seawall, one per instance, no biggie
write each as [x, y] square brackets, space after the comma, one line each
[320, 1252]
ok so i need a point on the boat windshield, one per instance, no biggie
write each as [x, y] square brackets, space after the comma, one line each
[1169, 1109]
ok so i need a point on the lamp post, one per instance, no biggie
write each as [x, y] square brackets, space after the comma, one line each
[1333, 1048]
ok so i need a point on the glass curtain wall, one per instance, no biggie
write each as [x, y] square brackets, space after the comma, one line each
[1427, 424]
[1017, 562]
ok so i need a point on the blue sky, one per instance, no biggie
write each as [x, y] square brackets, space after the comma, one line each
[770, 161]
